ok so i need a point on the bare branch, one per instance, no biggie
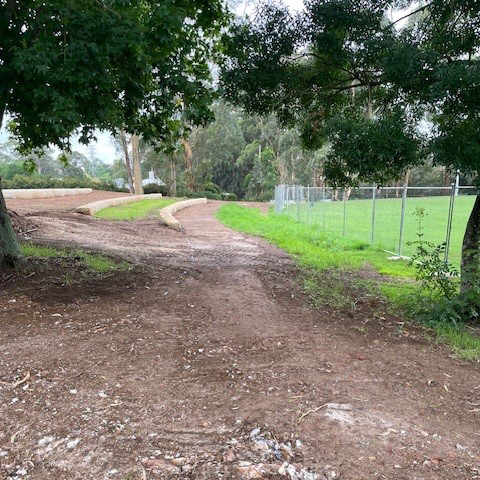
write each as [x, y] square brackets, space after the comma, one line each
[413, 12]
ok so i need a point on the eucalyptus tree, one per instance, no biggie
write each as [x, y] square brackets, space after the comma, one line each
[80, 65]
[344, 72]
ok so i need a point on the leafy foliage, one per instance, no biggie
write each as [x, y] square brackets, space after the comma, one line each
[30, 181]
[342, 72]
[140, 65]
[240, 155]
[431, 268]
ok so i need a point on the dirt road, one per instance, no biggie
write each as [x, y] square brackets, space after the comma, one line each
[169, 370]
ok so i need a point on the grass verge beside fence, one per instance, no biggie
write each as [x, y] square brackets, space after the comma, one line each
[317, 251]
[135, 210]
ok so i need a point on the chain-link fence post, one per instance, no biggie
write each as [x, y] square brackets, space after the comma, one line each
[374, 201]
[308, 205]
[277, 199]
[297, 188]
[453, 193]
[402, 220]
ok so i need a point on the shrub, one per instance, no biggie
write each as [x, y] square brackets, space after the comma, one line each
[231, 197]
[153, 188]
[185, 192]
[212, 187]
[432, 270]
[26, 181]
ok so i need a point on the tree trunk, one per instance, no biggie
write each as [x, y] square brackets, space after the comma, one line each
[137, 172]
[471, 251]
[188, 164]
[408, 175]
[10, 253]
[173, 178]
[346, 193]
[446, 177]
[128, 163]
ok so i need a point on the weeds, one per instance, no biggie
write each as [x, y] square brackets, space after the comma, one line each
[93, 261]
[432, 270]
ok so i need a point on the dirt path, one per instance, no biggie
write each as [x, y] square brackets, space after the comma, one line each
[56, 204]
[167, 371]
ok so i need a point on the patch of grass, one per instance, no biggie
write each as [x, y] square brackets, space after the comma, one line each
[103, 264]
[135, 210]
[462, 342]
[31, 250]
[399, 293]
[319, 253]
[94, 261]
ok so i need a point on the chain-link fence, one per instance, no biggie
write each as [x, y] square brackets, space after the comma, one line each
[383, 216]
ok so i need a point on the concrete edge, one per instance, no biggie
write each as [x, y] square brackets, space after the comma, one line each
[94, 207]
[44, 192]
[166, 213]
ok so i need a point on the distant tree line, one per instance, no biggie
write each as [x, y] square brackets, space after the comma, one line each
[237, 156]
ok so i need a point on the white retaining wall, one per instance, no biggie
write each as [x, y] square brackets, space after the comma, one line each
[167, 212]
[44, 192]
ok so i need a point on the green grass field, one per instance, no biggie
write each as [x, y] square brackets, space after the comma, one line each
[135, 210]
[328, 217]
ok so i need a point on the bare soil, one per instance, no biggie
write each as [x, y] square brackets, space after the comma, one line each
[168, 370]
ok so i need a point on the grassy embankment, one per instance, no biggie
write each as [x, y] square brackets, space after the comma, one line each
[317, 251]
[135, 210]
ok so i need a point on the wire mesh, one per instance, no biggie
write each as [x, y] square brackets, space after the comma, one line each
[384, 216]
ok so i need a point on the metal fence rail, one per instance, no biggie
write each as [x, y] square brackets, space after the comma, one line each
[382, 215]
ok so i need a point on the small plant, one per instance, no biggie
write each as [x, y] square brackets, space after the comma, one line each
[437, 275]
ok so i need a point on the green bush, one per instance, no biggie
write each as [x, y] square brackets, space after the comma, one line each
[212, 187]
[185, 192]
[153, 188]
[26, 181]
[231, 197]
[207, 194]
[260, 197]
[436, 275]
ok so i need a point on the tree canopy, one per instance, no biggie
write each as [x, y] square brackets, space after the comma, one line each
[106, 64]
[386, 97]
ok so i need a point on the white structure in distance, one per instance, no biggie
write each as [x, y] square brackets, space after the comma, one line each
[151, 180]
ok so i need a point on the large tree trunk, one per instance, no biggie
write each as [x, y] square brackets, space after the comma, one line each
[471, 251]
[10, 253]
[137, 172]
[128, 163]
[173, 177]
[188, 164]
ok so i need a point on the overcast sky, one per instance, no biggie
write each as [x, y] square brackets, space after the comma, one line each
[104, 148]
